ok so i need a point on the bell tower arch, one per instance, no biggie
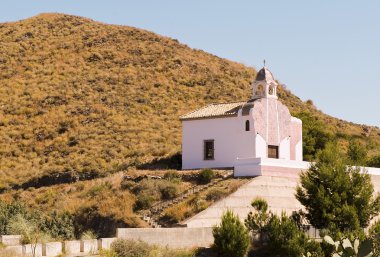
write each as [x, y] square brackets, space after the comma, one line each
[264, 85]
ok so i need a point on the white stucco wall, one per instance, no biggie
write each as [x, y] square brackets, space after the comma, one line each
[224, 132]
[261, 147]
[299, 152]
[284, 149]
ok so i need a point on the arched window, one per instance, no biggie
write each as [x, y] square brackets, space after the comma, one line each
[260, 90]
[271, 90]
[247, 125]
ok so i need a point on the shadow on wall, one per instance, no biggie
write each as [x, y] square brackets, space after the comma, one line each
[169, 162]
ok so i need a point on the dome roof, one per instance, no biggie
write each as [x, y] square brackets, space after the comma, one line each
[264, 75]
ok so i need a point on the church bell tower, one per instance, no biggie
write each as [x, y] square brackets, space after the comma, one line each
[264, 86]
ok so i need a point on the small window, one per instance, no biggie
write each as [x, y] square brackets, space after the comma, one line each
[209, 149]
[260, 90]
[273, 151]
[271, 90]
[247, 125]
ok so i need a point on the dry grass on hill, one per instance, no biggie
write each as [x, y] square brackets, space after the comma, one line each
[115, 197]
[87, 100]
[112, 196]
[83, 96]
[86, 97]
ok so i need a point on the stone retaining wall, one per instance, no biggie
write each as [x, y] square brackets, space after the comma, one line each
[70, 248]
[171, 237]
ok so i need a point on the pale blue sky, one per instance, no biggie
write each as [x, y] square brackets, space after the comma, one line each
[327, 51]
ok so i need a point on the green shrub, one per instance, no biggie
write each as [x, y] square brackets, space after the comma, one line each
[169, 192]
[285, 239]
[88, 234]
[127, 185]
[205, 176]
[197, 203]
[172, 175]
[149, 191]
[28, 229]
[107, 253]
[231, 238]
[99, 189]
[144, 201]
[7, 211]
[374, 234]
[279, 236]
[216, 194]
[130, 248]
[374, 161]
[59, 226]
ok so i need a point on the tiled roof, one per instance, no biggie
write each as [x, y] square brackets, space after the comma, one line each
[214, 111]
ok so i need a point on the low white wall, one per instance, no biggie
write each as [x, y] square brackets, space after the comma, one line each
[13, 250]
[244, 167]
[171, 237]
[251, 167]
[247, 167]
[29, 249]
[75, 247]
[105, 243]
[70, 247]
[89, 246]
[372, 171]
[10, 239]
[52, 249]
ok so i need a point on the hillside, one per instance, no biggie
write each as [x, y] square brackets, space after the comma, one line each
[86, 99]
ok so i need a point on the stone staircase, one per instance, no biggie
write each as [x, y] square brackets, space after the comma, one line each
[153, 214]
[277, 191]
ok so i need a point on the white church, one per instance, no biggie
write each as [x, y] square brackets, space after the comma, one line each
[255, 137]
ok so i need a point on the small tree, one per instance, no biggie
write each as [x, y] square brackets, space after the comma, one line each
[231, 238]
[282, 235]
[9, 210]
[257, 220]
[285, 239]
[337, 197]
[29, 230]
